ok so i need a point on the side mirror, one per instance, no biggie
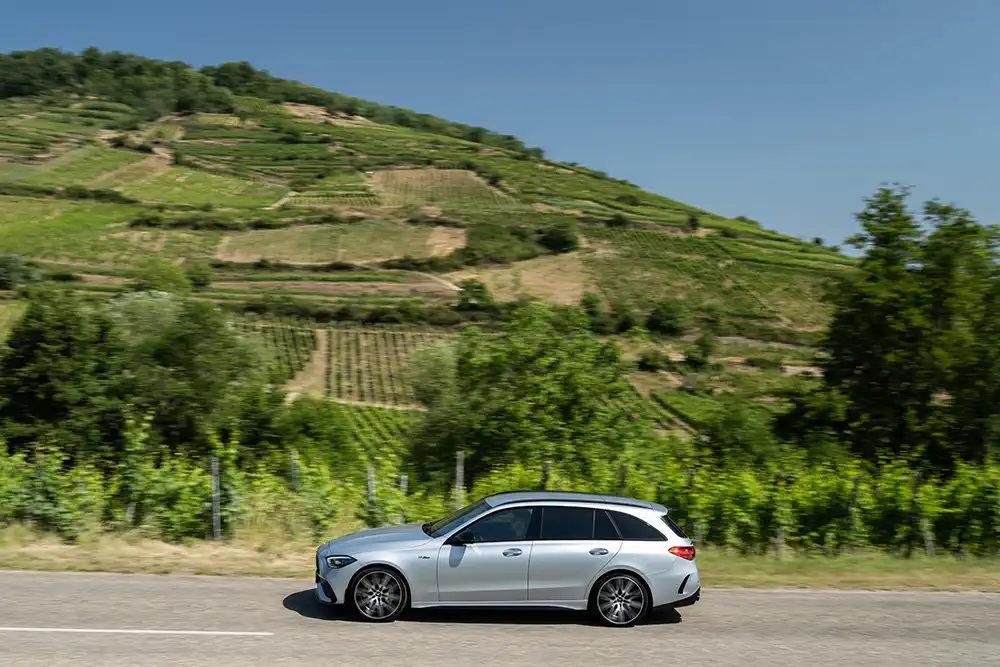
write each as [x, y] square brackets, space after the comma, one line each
[462, 538]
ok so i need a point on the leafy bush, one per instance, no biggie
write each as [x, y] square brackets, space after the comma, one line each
[668, 317]
[15, 271]
[655, 359]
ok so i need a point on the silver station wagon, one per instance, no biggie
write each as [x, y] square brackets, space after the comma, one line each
[615, 557]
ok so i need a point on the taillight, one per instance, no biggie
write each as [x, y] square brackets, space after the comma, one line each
[687, 553]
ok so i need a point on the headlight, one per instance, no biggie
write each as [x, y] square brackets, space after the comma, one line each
[337, 562]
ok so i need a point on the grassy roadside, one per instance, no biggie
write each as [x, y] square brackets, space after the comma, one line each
[20, 551]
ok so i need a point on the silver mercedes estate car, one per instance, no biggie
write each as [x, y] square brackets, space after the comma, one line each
[615, 557]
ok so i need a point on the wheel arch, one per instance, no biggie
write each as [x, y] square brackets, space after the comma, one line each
[619, 569]
[385, 565]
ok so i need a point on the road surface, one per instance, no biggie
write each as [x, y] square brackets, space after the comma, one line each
[86, 620]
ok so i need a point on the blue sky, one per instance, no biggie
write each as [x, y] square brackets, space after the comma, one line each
[787, 111]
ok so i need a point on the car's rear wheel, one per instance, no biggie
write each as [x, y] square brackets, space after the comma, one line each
[378, 595]
[620, 600]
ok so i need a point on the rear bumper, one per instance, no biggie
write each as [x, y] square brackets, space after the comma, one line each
[686, 602]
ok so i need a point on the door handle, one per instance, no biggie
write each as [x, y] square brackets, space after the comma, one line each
[599, 552]
[512, 552]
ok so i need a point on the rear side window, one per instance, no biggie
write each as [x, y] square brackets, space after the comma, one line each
[674, 527]
[603, 528]
[567, 523]
[635, 529]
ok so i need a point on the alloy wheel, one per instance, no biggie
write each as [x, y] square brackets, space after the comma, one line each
[378, 595]
[621, 600]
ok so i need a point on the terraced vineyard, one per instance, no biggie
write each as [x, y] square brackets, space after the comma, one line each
[645, 266]
[378, 429]
[289, 342]
[181, 185]
[304, 200]
[400, 187]
[370, 365]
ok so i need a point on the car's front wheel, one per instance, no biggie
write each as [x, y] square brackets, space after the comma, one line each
[620, 600]
[378, 595]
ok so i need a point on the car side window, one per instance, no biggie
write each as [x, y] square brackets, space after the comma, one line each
[634, 528]
[567, 523]
[510, 525]
[603, 528]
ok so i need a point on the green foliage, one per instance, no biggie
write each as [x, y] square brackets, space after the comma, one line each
[912, 347]
[655, 359]
[200, 275]
[668, 317]
[15, 271]
[538, 390]
[157, 275]
[561, 237]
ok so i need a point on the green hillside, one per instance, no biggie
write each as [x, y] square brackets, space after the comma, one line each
[288, 200]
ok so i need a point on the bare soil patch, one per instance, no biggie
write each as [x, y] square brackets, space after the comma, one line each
[443, 240]
[560, 279]
[422, 287]
[311, 380]
[134, 173]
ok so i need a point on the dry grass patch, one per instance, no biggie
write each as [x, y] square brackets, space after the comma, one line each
[444, 240]
[560, 279]
[295, 560]
[421, 287]
[134, 173]
[320, 244]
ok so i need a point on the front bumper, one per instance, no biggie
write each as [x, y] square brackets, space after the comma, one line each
[331, 584]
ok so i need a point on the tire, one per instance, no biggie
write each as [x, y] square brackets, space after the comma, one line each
[378, 595]
[620, 600]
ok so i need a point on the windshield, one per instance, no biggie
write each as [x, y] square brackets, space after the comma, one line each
[455, 519]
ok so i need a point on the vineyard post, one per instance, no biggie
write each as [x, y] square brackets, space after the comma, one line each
[459, 477]
[622, 479]
[328, 375]
[371, 496]
[779, 538]
[922, 521]
[216, 509]
[404, 482]
[696, 515]
[852, 513]
[295, 470]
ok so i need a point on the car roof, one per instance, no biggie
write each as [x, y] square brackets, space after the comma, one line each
[508, 497]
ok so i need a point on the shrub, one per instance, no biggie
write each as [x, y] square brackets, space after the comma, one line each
[668, 317]
[200, 275]
[655, 359]
[15, 271]
[766, 363]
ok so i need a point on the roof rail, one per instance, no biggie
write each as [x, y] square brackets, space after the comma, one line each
[530, 495]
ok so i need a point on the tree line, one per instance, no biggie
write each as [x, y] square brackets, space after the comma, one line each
[134, 395]
[155, 88]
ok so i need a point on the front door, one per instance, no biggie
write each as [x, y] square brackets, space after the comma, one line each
[573, 546]
[494, 568]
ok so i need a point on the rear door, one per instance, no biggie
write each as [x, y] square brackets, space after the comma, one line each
[573, 545]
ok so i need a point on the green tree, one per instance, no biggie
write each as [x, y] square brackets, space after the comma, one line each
[15, 271]
[560, 237]
[668, 317]
[540, 390]
[200, 275]
[475, 296]
[61, 375]
[157, 275]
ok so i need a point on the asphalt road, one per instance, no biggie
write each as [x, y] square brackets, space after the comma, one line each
[85, 620]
